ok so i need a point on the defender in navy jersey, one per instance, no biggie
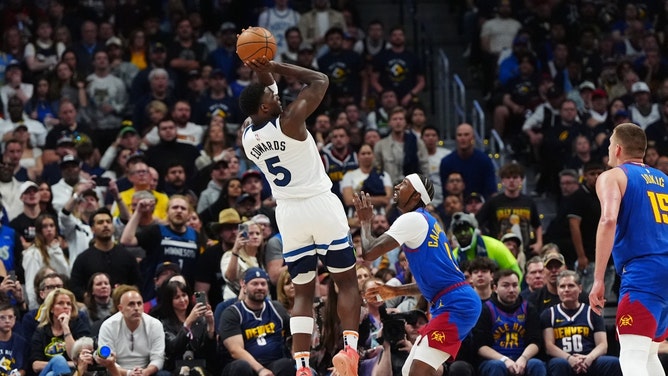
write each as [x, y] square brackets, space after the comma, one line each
[634, 229]
[311, 219]
[455, 307]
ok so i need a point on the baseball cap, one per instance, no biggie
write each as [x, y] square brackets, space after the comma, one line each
[27, 185]
[474, 196]
[553, 256]
[511, 236]
[12, 64]
[587, 85]
[250, 174]
[116, 41]
[126, 130]
[194, 74]
[621, 114]
[245, 197]
[228, 26]
[599, 93]
[158, 47]
[640, 87]
[167, 266]
[253, 273]
[69, 158]
[461, 219]
[65, 139]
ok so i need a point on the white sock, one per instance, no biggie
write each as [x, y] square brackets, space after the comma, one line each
[350, 338]
[302, 358]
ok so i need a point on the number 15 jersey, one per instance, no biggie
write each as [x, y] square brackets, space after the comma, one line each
[642, 224]
[293, 168]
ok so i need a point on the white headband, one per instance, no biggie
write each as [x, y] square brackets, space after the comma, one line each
[419, 187]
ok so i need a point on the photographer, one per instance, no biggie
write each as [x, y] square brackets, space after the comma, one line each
[399, 333]
[88, 362]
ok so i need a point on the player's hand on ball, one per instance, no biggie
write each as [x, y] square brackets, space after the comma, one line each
[261, 64]
[363, 206]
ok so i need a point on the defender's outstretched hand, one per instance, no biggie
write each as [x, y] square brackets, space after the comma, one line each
[363, 206]
[379, 292]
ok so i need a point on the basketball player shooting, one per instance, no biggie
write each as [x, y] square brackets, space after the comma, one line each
[310, 217]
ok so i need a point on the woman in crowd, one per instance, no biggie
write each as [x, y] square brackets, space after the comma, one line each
[118, 168]
[46, 251]
[156, 111]
[285, 290]
[45, 199]
[187, 326]
[215, 146]
[363, 275]
[137, 50]
[196, 224]
[229, 193]
[97, 299]
[66, 85]
[369, 179]
[31, 159]
[245, 254]
[59, 326]
[370, 329]
[42, 106]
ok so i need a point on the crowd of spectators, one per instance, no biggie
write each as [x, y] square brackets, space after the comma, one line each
[130, 213]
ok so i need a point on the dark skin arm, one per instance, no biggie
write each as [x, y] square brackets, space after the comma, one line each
[372, 247]
[294, 116]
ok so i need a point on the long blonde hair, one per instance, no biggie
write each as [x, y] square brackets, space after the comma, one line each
[45, 316]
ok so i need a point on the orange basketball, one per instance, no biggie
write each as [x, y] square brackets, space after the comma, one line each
[255, 42]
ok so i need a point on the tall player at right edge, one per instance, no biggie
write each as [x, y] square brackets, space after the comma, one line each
[310, 217]
[634, 229]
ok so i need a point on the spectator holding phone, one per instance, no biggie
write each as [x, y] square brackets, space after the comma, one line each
[188, 326]
[246, 253]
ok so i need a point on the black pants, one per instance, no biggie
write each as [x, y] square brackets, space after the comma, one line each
[280, 367]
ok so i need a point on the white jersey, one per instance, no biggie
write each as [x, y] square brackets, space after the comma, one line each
[293, 168]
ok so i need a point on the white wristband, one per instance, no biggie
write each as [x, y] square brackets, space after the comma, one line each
[503, 359]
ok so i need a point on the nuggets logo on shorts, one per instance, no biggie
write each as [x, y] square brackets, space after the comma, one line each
[438, 336]
[626, 320]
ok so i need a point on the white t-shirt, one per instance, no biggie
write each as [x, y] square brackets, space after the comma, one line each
[500, 32]
[410, 229]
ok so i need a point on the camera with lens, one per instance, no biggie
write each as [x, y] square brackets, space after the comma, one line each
[394, 329]
[102, 352]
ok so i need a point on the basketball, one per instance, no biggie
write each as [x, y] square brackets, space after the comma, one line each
[255, 42]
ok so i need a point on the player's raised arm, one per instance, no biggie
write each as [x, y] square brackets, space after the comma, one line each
[293, 118]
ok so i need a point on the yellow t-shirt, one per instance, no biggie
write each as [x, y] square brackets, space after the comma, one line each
[138, 58]
[161, 202]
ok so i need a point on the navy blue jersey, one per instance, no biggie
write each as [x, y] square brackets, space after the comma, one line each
[573, 329]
